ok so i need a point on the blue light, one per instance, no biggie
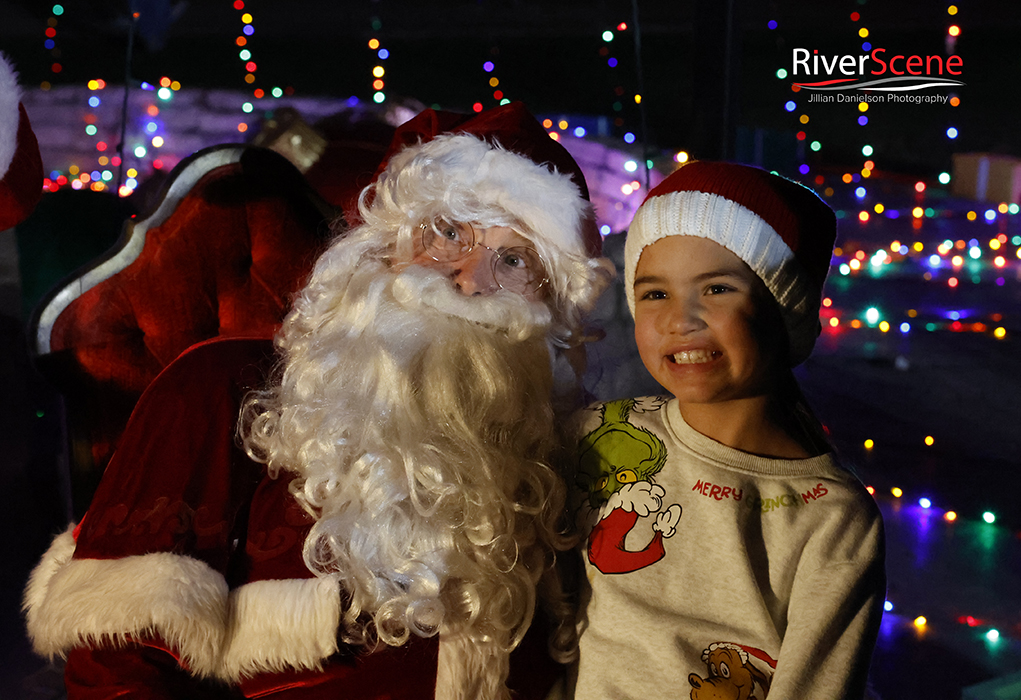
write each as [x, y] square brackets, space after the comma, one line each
[952, 133]
[488, 66]
[892, 214]
[954, 315]
[803, 168]
[859, 192]
[903, 250]
[611, 62]
[863, 120]
[147, 86]
[96, 175]
[934, 260]
[93, 101]
[49, 43]
[925, 503]
[383, 54]
[771, 24]
[973, 243]
[790, 106]
[151, 127]
[54, 174]
[905, 327]
[604, 230]
[131, 183]
[579, 131]
[866, 47]
[888, 606]
[629, 137]
[990, 215]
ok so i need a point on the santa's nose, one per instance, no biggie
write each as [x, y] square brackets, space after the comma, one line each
[473, 275]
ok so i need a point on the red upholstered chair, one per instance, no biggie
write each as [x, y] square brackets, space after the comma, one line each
[233, 237]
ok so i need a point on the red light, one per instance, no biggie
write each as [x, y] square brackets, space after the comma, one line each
[239, 5]
[100, 83]
[855, 16]
[101, 146]
[51, 32]
[56, 68]
[801, 136]
[477, 107]
[157, 164]
[919, 186]
[622, 27]
[241, 41]
[259, 93]
[953, 283]
[165, 81]
[62, 180]
[956, 326]
[819, 179]
[115, 161]
[250, 66]
[498, 95]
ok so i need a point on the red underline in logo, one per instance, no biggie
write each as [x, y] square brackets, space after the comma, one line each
[826, 82]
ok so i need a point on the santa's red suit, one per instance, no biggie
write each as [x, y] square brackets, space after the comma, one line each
[186, 578]
[21, 168]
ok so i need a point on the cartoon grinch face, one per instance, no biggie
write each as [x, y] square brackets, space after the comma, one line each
[616, 453]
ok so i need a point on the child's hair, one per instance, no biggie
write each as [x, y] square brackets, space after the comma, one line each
[780, 229]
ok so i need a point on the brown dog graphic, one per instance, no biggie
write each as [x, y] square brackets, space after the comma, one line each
[732, 673]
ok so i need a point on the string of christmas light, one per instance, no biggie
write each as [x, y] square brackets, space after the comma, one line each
[378, 70]
[245, 54]
[50, 44]
[489, 68]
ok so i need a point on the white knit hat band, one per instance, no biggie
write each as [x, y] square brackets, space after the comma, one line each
[744, 233]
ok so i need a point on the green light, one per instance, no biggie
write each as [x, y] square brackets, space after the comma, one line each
[139, 151]
[505, 101]
[277, 92]
[993, 635]
[1014, 209]
[989, 517]
[930, 326]
[40, 413]
[607, 35]
[944, 178]
[782, 73]
[866, 150]
[58, 10]
[247, 107]
[815, 145]
[929, 212]
[378, 97]
[91, 130]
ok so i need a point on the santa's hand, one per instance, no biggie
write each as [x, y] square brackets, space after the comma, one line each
[641, 497]
[666, 521]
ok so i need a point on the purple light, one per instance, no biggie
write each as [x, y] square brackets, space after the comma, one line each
[248, 30]
[803, 169]
[999, 281]
[892, 213]
[488, 66]
[863, 120]
[611, 62]
[772, 24]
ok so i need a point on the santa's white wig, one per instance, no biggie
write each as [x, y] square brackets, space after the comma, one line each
[419, 421]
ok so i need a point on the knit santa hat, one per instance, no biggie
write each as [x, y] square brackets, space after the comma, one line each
[21, 168]
[782, 230]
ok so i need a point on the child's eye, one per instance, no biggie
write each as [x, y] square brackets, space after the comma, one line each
[653, 294]
[717, 289]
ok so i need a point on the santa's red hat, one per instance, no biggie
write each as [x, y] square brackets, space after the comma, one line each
[21, 167]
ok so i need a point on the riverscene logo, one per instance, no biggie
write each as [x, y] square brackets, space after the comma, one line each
[877, 71]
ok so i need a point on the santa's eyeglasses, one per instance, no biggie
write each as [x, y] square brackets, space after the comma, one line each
[517, 269]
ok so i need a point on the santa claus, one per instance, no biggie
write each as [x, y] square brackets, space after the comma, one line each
[382, 519]
[21, 169]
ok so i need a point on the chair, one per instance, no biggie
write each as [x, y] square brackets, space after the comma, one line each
[232, 238]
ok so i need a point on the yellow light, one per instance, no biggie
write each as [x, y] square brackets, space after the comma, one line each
[246, 18]
[972, 216]
[373, 44]
[242, 127]
[157, 141]
[103, 160]
[803, 118]
[884, 326]
[999, 261]
[912, 313]
[863, 216]
[73, 170]
[834, 322]
[855, 264]
[918, 246]
[93, 85]
[879, 208]
[994, 244]
[1000, 332]
[929, 440]
[950, 516]
[957, 261]
[132, 172]
[554, 135]
[869, 444]
[918, 212]
[681, 157]
[895, 247]
[563, 124]
[863, 106]
[863, 32]
[493, 82]
[954, 30]
[866, 172]
[897, 492]
[920, 622]
[1002, 208]
[175, 86]
[378, 72]
[638, 99]
[952, 10]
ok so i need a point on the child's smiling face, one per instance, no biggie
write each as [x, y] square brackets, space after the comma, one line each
[706, 327]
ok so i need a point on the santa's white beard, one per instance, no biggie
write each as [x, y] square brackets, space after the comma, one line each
[420, 438]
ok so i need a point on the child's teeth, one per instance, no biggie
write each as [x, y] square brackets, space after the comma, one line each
[692, 357]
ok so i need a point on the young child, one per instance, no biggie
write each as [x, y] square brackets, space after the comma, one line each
[729, 555]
